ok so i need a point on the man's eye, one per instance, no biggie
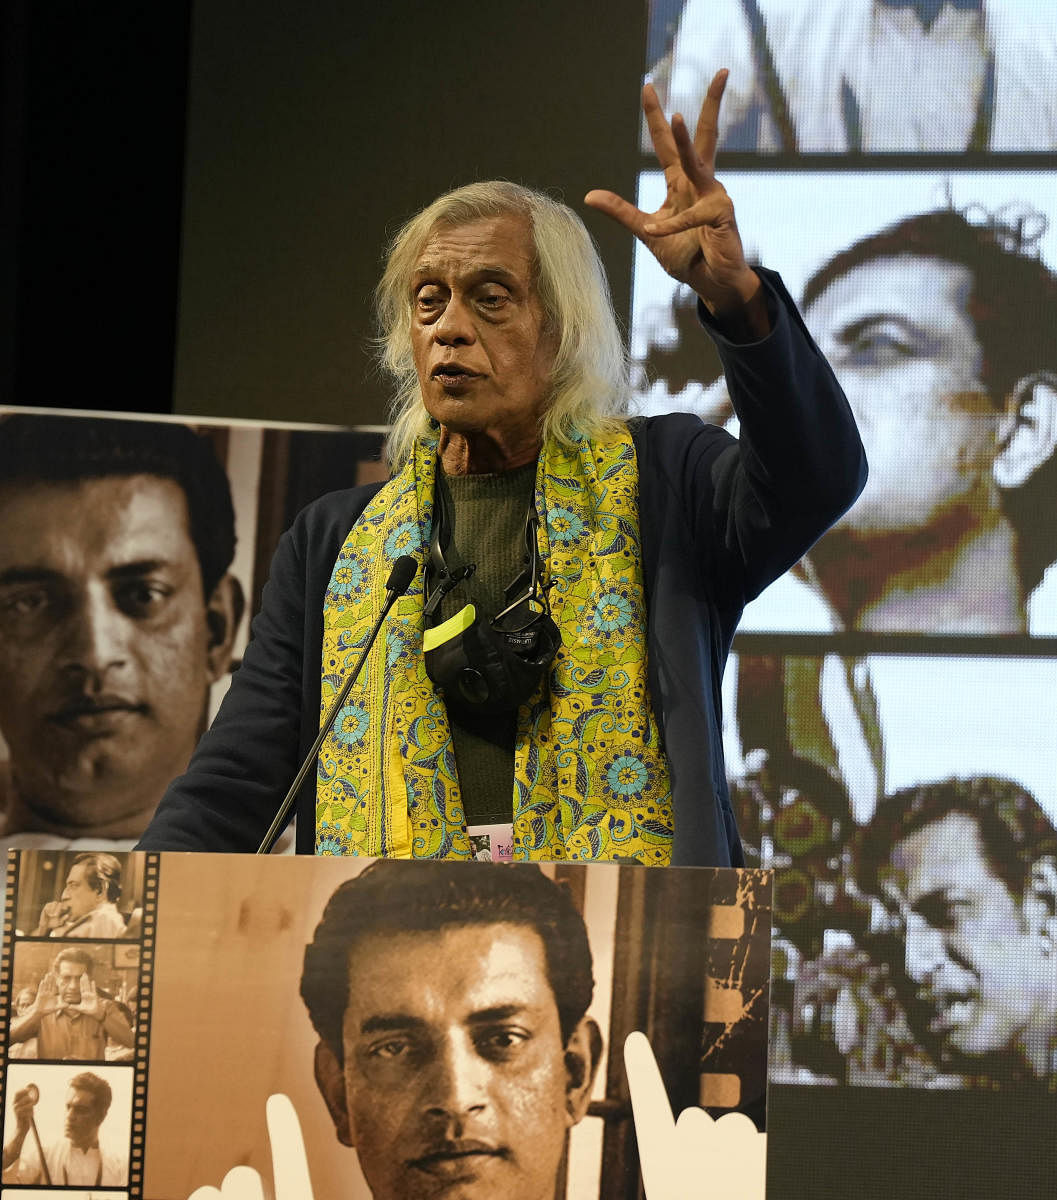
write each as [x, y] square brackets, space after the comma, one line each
[142, 598]
[945, 912]
[493, 299]
[500, 1043]
[878, 350]
[391, 1049]
[429, 301]
[25, 603]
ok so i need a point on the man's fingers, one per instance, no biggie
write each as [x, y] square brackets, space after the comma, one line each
[654, 1125]
[706, 136]
[660, 130]
[710, 210]
[619, 209]
[289, 1161]
[699, 174]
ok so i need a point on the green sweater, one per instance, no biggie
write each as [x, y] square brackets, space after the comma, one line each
[489, 530]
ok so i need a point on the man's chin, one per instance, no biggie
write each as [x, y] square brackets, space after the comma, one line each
[83, 797]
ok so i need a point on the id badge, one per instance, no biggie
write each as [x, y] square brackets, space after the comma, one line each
[492, 843]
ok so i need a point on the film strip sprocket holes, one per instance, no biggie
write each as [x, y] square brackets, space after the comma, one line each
[7, 961]
[144, 998]
[135, 1072]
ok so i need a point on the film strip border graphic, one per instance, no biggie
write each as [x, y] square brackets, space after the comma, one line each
[135, 1072]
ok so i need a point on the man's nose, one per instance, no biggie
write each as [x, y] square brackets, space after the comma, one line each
[925, 949]
[96, 635]
[456, 1084]
[454, 326]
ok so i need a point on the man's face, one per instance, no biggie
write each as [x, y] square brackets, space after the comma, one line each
[82, 1117]
[456, 1081]
[481, 351]
[69, 976]
[78, 894]
[977, 965]
[104, 664]
[898, 334]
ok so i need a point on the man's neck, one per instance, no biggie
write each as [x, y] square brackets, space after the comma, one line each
[968, 586]
[86, 1145]
[486, 453]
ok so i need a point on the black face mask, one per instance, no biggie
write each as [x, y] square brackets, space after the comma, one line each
[487, 666]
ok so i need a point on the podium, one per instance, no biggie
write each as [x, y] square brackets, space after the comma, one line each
[451, 995]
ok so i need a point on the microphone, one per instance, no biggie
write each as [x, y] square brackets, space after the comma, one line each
[400, 577]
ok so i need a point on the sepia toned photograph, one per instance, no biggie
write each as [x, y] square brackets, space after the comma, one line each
[443, 1023]
[69, 894]
[132, 556]
[73, 1001]
[67, 1126]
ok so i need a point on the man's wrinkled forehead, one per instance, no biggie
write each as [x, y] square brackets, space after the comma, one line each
[500, 247]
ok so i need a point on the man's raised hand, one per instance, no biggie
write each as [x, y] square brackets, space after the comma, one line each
[47, 998]
[693, 235]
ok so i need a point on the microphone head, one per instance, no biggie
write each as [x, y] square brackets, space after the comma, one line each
[404, 570]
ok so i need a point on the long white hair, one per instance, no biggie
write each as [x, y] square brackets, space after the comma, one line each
[589, 382]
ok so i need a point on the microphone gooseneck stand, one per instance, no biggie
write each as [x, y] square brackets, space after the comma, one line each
[404, 570]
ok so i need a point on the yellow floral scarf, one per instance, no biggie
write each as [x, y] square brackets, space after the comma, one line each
[590, 774]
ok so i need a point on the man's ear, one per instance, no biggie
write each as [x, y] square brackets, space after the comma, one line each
[224, 610]
[1040, 900]
[330, 1079]
[583, 1051]
[1027, 433]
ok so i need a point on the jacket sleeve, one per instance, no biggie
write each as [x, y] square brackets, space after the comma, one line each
[762, 500]
[246, 761]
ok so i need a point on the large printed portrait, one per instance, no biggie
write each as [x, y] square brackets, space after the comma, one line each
[933, 297]
[438, 1027]
[132, 557]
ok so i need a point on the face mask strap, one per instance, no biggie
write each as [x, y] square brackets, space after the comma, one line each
[439, 579]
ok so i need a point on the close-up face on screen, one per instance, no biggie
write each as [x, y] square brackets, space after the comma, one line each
[888, 708]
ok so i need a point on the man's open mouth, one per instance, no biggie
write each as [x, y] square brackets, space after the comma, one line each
[450, 374]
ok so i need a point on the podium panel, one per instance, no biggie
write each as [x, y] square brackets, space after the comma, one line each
[439, 1028]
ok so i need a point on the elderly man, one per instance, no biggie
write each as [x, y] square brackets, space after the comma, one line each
[968, 872]
[465, 1074]
[87, 906]
[69, 1017]
[76, 1159]
[570, 687]
[116, 615]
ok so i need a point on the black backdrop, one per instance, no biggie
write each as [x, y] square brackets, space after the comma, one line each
[309, 129]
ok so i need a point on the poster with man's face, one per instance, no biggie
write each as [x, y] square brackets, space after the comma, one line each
[437, 1027]
[132, 556]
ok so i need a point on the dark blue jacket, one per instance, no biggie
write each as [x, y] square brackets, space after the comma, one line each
[720, 520]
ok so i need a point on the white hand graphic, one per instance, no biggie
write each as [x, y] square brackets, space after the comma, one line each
[289, 1162]
[694, 1156]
